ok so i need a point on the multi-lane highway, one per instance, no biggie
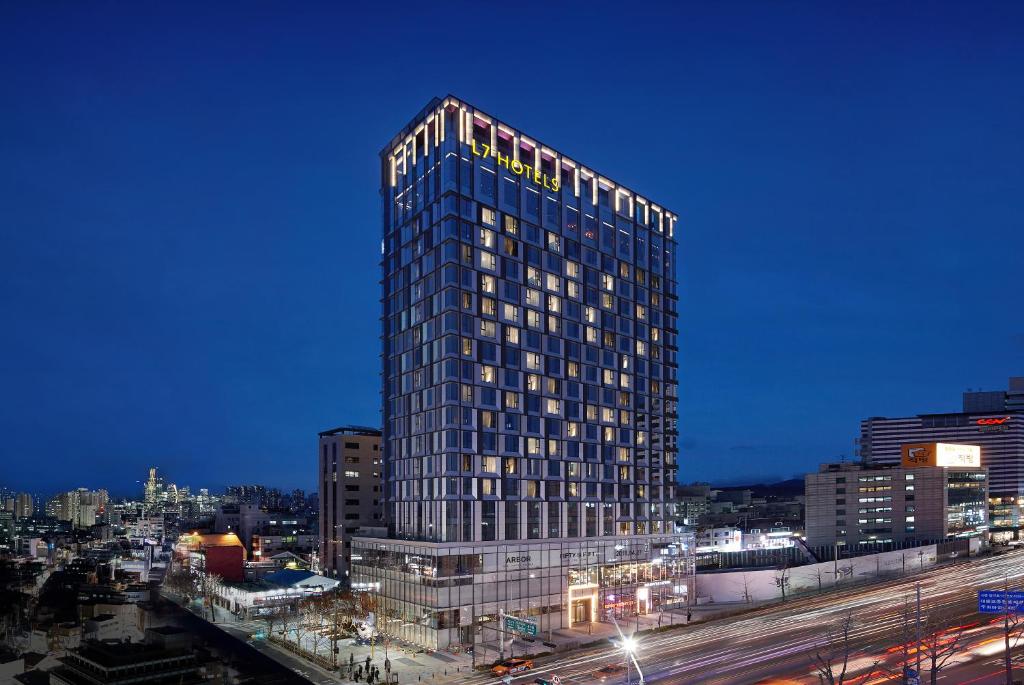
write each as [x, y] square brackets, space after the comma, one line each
[778, 644]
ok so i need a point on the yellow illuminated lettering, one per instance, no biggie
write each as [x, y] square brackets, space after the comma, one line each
[516, 163]
[555, 184]
[502, 160]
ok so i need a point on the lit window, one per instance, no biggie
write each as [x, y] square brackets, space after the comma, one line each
[488, 261]
[486, 236]
[351, 474]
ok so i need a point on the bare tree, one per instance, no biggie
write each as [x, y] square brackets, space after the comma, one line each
[831, 661]
[908, 642]
[210, 585]
[273, 617]
[181, 583]
[782, 579]
[819, 574]
[1013, 629]
[746, 588]
[943, 640]
[318, 617]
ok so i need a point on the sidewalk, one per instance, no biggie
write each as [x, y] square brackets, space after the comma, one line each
[410, 666]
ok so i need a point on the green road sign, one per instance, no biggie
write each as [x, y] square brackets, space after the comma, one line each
[518, 625]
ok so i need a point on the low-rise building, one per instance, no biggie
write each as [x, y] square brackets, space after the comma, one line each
[222, 555]
[166, 656]
[923, 500]
[724, 539]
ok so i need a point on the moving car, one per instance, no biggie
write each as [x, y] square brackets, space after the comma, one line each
[612, 672]
[511, 666]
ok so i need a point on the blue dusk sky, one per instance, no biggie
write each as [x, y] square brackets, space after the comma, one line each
[190, 218]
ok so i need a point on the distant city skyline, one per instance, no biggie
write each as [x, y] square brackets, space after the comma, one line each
[189, 271]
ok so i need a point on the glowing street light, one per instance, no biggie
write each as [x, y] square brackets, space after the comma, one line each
[629, 647]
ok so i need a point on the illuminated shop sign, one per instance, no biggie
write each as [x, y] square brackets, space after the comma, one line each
[517, 167]
[941, 454]
[993, 422]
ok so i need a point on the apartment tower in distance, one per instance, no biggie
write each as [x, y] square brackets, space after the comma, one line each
[350, 493]
[529, 333]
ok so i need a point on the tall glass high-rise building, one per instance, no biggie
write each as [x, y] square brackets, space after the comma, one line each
[530, 386]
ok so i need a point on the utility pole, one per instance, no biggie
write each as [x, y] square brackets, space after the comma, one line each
[1007, 662]
[918, 628]
[501, 634]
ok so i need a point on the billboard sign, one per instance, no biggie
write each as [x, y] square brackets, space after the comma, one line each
[940, 454]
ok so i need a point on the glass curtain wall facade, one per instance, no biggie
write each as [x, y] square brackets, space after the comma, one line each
[530, 389]
[529, 340]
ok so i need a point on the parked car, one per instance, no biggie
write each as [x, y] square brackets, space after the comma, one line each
[511, 666]
[613, 672]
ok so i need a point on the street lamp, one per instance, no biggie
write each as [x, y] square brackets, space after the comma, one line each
[629, 646]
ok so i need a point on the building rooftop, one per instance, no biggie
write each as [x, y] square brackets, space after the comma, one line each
[219, 540]
[452, 106]
[351, 430]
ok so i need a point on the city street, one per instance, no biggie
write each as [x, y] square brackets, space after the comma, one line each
[777, 644]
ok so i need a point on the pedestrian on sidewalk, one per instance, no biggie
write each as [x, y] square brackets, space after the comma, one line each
[689, 615]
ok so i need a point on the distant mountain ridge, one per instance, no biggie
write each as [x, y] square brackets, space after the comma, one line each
[783, 488]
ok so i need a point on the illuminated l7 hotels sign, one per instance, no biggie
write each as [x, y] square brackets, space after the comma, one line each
[517, 167]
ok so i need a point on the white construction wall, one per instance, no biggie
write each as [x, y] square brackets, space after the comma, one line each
[759, 585]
